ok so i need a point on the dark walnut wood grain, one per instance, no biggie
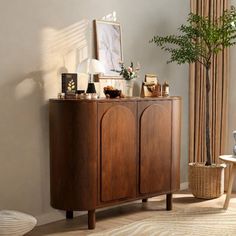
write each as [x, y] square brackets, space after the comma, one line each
[107, 151]
[155, 147]
[73, 151]
[91, 219]
[118, 153]
[169, 201]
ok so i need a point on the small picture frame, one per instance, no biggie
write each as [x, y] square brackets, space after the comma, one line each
[69, 83]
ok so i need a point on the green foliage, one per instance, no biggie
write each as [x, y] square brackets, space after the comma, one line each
[200, 38]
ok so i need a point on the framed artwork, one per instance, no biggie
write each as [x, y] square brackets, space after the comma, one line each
[69, 83]
[108, 47]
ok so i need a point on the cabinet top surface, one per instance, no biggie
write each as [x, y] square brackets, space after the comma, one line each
[132, 99]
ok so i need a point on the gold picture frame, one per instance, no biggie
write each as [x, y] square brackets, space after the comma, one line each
[108, 47]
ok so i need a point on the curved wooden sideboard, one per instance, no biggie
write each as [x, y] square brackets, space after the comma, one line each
[108, 151]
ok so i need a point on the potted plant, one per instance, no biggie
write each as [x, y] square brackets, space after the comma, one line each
[200, 39]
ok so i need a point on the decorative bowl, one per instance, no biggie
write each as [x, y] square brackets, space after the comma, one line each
[114, 93]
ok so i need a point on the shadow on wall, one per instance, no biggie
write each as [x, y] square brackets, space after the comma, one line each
[62, 51]
[25, 120]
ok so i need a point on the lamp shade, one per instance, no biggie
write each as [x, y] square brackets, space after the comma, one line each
[91, 66]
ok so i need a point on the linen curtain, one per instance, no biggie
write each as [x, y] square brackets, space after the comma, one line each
[219, 74]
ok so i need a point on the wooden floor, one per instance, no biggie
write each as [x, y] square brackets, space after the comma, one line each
[122, 215]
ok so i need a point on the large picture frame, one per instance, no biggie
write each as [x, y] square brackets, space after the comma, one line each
[108, 47]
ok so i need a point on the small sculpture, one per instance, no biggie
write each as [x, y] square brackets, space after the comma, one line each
[234, 148]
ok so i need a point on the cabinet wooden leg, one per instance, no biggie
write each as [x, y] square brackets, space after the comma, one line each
[69, 215]
[169, 201]
[144, 200]
[91, 219]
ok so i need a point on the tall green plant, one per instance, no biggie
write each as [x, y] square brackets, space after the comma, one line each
[199, 40]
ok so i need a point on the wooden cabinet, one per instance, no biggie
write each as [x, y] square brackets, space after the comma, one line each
[108, 151]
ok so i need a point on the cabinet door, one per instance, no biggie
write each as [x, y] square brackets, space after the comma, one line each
[117, 151]
[155, 146]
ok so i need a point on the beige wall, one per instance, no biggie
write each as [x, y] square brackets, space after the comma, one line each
[232, 98]
[38, 40]
[232, 93]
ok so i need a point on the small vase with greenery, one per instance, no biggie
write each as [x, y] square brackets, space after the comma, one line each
[200, 39]
[129, 73]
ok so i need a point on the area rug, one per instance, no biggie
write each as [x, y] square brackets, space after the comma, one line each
[194, 221]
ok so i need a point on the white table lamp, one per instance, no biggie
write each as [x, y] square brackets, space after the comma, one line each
[91, 67]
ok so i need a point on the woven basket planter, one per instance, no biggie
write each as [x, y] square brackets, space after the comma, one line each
[206, 182]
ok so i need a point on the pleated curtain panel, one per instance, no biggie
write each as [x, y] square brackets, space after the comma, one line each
[219, 75]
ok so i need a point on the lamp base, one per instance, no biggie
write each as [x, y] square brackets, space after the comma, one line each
[91, 88]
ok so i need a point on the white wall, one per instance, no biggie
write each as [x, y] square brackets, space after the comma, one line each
[39, 40]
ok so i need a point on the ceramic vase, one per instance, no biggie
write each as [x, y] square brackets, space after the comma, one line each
[128, 88]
